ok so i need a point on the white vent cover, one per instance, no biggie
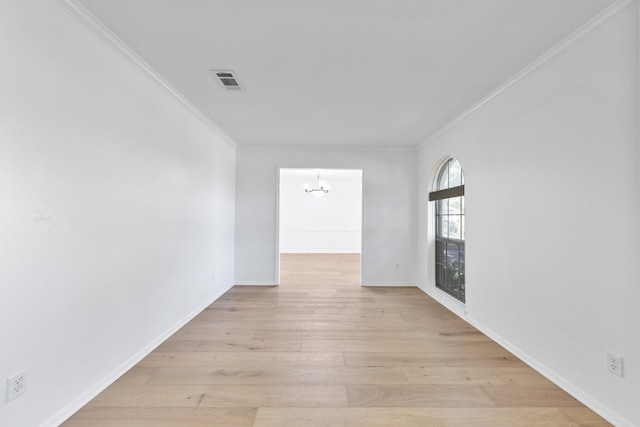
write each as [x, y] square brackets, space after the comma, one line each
[227, 79]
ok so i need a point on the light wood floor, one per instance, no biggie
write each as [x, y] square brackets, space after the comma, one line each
[322, 351]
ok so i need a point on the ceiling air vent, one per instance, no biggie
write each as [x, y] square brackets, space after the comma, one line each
[227, 79]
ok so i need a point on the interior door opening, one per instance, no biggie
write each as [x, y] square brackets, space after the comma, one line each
[320, 227]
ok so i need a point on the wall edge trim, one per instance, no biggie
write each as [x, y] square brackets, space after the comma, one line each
[610, 14]
[590, 402]
[543, 370]
[269, 146]
[108, 37]
[447, 301]
[389, 284]
[85, 397]
[255, 283]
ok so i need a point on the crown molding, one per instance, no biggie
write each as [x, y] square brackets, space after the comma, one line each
[609, 15]
[327, 147]
[86, 18]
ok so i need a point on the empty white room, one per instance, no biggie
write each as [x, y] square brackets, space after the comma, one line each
[319, 212]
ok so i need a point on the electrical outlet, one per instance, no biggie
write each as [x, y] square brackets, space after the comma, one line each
[16, 385]
[614, 364]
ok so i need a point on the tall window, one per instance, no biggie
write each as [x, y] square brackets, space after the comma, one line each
[448, 196]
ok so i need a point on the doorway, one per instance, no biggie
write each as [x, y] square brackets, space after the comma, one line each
[320, 227]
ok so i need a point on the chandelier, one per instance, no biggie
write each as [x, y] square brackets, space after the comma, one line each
[320, 189]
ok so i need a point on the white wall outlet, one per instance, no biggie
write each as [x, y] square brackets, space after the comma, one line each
[614, 364]
[16, 385]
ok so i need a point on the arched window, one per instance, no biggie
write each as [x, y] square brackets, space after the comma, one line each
[448, 196]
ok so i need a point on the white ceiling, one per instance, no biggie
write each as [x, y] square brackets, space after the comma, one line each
[340, 72]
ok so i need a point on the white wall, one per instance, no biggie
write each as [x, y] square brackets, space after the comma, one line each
[331, 223]
[389, 204]
[553, 217]
[116, 212]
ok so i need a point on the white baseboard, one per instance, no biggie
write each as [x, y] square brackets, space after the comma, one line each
[390, 284]
[370, 284]
[455, 306]
[552, 376]
[459, 309]
[255, 283]
[75, 405]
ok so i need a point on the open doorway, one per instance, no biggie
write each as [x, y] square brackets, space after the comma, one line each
[320, 227]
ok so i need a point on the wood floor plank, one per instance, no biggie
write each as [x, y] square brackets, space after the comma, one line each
[137, 375]
[320, 350]
[240, 358]
[249, 345]
[441, 326]
[390, 359]
[436, 396]
[540, 395]
[293, 315]
[585, 417]
[141, 395]
[398, 416]
[95, 416]
[299, 395]
[405, 346]
[176, 344]
[195, 333]
[279, 375]
[301, 298]
[216, 345]
[357, 334]
[275, 324]
[475, 375]
[353, 417]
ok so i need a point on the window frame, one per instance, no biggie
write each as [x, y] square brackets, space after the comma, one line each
[449, 269]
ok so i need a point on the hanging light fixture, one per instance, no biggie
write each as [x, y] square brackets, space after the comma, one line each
[319, 190]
